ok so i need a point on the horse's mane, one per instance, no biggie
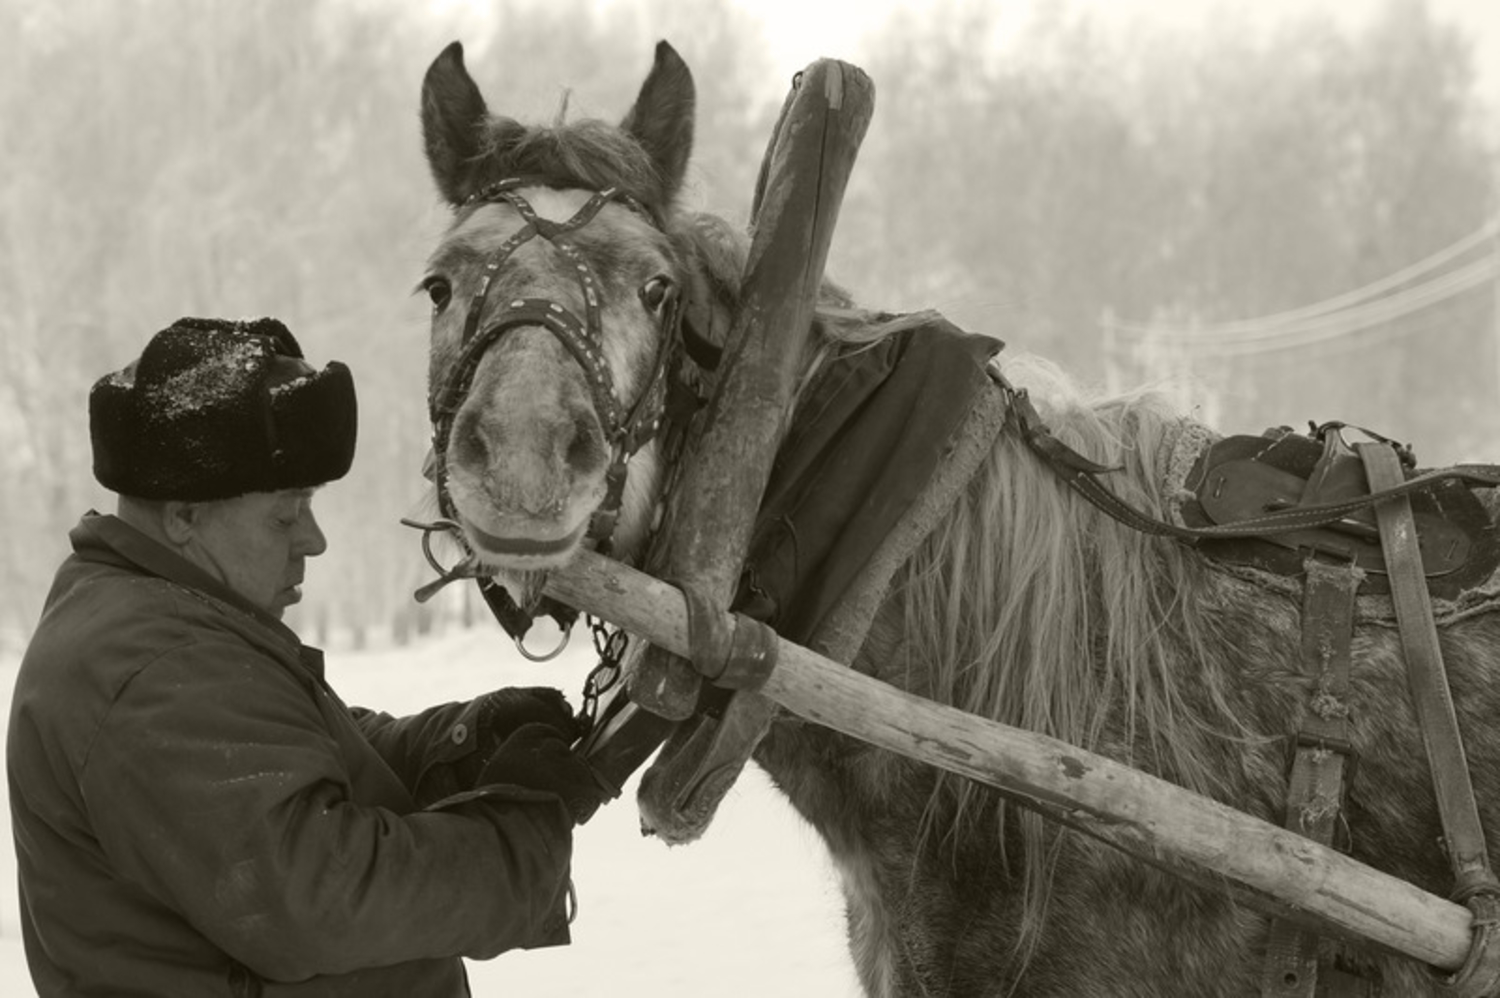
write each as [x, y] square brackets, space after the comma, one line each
[1030, 606]
[1070, 616]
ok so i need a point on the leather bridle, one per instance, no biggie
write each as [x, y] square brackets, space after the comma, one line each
[625, 431]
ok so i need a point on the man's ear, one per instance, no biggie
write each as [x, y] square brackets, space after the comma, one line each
[179, 520]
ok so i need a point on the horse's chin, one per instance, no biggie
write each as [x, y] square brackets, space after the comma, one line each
[509, 553]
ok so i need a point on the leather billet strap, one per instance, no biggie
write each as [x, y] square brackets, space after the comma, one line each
[1322, 761]
[515, 621]
[1474, 881]
[1429, 685]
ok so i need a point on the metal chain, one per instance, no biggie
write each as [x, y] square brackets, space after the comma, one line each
[610, 646]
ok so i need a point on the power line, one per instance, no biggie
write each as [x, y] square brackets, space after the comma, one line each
[1308, 320]
[1256, 339]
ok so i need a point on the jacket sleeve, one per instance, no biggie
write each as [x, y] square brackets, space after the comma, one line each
[216, 786]
[412, 745]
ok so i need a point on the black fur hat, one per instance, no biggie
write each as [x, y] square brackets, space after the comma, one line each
[215, 409]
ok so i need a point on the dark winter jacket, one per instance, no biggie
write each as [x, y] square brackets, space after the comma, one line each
[197, 813]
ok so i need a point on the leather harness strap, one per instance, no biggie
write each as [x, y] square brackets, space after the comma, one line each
[1474, 880]
[1429, 685]
[740, 656]
[1297, 963]
[1322, 764]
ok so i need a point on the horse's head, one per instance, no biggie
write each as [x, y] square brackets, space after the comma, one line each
[556, 295]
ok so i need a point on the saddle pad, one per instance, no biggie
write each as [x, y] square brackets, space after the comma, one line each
[1237, 477]
[868, 436]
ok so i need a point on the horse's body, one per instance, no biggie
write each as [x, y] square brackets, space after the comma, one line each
[1025, 604]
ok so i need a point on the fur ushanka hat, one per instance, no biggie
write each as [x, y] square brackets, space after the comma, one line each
[215, 409]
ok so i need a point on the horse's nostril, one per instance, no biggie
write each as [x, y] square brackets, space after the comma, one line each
[468, 444]
[586, 450]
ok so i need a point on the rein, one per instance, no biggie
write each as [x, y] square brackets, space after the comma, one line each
[626, 430]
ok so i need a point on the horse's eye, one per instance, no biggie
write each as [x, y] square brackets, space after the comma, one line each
[654, 292]
[439, 291]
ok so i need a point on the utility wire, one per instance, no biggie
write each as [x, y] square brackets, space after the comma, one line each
[1257, 340]
[1307, 319]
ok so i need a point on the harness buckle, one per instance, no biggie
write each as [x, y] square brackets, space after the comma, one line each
[1326, 743]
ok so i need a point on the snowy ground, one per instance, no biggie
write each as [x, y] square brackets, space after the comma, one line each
[751, 910]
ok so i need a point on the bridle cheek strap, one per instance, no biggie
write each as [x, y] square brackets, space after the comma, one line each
[639, 427]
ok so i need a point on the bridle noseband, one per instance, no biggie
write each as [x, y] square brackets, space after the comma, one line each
[626, 432]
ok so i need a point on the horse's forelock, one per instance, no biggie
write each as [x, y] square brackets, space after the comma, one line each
[587, 153]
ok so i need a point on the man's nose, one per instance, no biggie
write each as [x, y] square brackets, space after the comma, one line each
[310, 539]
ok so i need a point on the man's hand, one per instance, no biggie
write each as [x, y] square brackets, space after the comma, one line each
[538, 757]
[504, 711]
[454, 765]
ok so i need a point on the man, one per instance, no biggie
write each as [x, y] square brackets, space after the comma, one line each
[195, 811]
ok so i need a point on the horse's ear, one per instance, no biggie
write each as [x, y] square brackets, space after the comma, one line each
[457, 126]
[662, 118]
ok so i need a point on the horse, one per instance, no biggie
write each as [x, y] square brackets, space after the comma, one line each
[1024, 604]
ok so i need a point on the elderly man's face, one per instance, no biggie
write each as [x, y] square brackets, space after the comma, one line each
[258, 544]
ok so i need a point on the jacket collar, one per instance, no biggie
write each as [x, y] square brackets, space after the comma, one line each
[108, 539]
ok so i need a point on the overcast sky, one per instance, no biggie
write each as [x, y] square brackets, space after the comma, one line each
[804, 30]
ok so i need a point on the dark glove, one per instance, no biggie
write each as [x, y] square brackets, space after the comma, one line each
[503, 712]
[537, 757]
[454, 766]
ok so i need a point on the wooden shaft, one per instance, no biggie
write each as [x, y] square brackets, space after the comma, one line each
[709, 521]
[1152, 819]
